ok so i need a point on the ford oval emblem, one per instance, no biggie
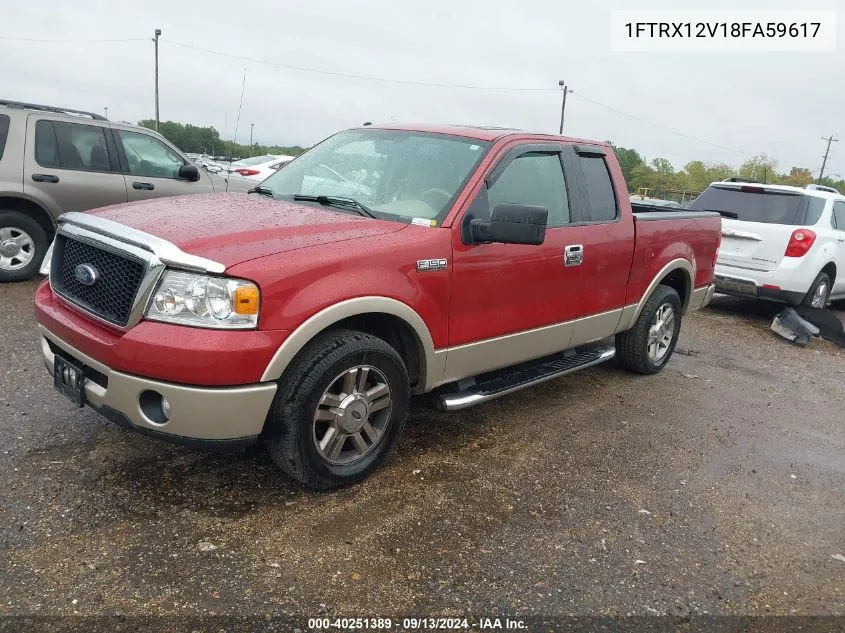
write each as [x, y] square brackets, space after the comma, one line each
[86, 274]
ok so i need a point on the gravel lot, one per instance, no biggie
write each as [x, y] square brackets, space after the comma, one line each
[717, 486]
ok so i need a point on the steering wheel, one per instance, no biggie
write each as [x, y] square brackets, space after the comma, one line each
[436, 198]
[335, 173]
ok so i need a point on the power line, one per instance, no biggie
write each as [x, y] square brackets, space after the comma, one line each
[454, 86]
[659, 127]
[330, 73]
[406, 82]
[73, 41]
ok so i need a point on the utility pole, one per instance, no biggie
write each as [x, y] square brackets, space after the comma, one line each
[829, 140]
[157, 35]
[563, 87]
[251, 125]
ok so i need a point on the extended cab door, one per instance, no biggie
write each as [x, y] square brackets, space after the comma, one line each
[152, 167]
[512, 303]
[604, 227]
[71, 166]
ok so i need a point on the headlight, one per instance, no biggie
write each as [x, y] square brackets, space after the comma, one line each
[203, 301]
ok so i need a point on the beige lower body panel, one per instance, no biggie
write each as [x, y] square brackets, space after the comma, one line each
[200, 413]
[473, 359]
[701, 297]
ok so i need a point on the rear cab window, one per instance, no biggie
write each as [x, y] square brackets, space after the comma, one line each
[600, 193]
[755, 203]
[4, 132]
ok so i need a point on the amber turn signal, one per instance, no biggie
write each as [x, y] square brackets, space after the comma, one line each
[246, 300]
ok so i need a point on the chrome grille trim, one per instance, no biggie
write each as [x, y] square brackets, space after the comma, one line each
[154, 268]
[165, 252]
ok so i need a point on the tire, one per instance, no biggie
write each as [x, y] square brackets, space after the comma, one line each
[821, 281]
[23, 244]
[633, 346]
[314, 397]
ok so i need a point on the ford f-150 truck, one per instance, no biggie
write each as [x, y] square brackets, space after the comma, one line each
[384, 262]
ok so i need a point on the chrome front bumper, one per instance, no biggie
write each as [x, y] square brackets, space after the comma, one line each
[214, 414]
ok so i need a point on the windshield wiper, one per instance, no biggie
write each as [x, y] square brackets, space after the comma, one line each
[264, 191]
[338, 201]
[725, 214]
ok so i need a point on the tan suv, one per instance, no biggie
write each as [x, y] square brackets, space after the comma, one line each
[54, 160]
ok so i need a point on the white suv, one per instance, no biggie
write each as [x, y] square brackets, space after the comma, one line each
[779, 243]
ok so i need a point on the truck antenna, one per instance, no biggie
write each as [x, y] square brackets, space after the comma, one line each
[237, 122]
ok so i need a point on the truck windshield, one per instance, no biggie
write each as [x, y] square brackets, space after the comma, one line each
[754, 203]
[392, 172]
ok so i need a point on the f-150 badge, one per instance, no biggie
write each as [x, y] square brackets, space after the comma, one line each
[431, 264]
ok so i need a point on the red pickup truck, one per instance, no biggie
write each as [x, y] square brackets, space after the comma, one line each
[384, 262]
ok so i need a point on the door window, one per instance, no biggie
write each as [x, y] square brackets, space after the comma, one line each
[148, 157]
[535, 179]
[602, 199]
[839, 215]
[71, 146]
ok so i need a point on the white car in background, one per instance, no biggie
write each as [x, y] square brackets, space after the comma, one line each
[779, 243]
[256, 168]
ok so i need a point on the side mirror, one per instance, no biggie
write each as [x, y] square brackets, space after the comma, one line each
[189, 172]
[511, 224]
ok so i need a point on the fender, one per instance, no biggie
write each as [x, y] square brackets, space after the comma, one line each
[632, 312]
[433, 362]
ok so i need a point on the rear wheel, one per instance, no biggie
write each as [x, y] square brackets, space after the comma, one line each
[339, 410]
[23, 243]
[647, 347]
[818, 296]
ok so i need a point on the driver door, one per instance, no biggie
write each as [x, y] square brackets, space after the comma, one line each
[513, 302]
[151, 168]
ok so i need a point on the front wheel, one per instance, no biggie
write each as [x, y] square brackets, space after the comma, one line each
[339, 410]
[647, 347]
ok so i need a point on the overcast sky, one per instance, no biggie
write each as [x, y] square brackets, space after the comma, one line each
[780, 104]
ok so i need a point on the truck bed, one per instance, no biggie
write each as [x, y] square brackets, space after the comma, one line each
[666, 233]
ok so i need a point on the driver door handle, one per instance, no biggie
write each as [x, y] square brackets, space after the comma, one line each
[573, 255]
[143, 185]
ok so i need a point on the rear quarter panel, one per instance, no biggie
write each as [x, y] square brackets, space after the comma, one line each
[658, 242]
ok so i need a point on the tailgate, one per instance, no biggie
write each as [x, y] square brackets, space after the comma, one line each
[758, 221]
[753, 245]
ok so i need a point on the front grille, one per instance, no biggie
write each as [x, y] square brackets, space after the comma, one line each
[113, 293]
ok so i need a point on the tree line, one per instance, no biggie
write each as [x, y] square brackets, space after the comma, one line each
[656, 177]
[206, 140]
[659, 177]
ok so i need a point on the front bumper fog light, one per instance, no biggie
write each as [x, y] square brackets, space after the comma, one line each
[155, 407]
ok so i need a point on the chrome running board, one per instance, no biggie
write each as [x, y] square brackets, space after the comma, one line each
[504, 381]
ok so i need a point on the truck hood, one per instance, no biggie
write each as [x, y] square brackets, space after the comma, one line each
[232, 228]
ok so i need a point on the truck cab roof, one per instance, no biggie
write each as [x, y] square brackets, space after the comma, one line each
[481, 133]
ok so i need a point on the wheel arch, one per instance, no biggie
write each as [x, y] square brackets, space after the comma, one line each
[678, 274]
[830, 269]
[387, 318]
[29, 207]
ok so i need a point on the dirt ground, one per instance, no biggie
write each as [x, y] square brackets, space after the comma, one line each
[715, 487]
